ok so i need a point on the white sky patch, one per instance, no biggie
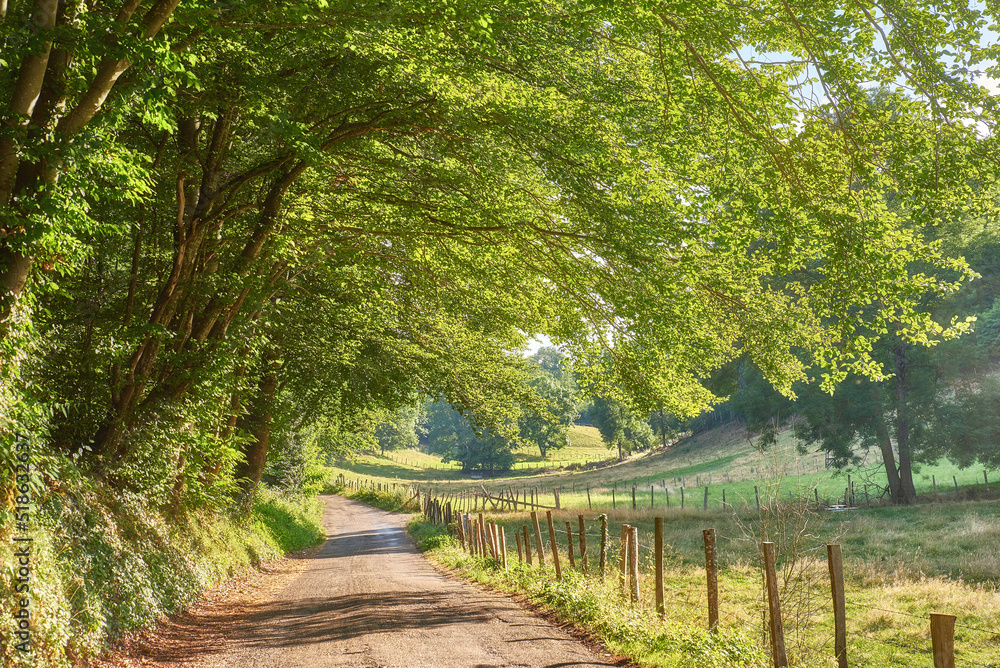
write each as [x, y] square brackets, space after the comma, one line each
[993, 86]
[540, 341]
[990, 84]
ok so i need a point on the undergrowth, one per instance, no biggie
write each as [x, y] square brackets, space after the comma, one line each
[104, 562]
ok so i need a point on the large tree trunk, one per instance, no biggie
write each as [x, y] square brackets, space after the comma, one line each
[14, 270]
[41, 82]
[907, 491]
[15, 266]
[258, 423]
[888, 458]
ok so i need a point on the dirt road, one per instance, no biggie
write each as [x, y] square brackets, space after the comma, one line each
[366, 598]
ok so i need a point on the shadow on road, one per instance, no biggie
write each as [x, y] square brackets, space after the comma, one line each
[311, 620]
[387, 540]
[368, 593]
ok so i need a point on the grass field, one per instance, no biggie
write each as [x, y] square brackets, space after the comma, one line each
[887, 613]
[722, 460]
[901, 563]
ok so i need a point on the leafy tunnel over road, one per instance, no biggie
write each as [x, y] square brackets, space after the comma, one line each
[366, 598]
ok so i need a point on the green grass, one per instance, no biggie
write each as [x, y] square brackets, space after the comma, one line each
[902, 563]
[289, 524]
[723, 460]
[585, 446]
[397, 500]
[890, 594]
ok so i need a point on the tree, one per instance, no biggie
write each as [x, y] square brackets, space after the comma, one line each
[545, 421]
[401, 430]
[457, 436]
[620, 428]
[446, 427]
[553, 361]
[663, 425]
[488, 451]
[929, 404]
[435, 183]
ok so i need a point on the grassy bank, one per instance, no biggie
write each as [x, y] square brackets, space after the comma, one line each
[394, 500]
[103, 563]
[901, 565]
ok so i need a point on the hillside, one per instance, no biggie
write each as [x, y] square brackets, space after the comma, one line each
[722, 458]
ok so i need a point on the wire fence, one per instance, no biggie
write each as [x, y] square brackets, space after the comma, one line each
[873, 629]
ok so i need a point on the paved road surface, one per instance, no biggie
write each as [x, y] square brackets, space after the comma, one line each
[368, 598]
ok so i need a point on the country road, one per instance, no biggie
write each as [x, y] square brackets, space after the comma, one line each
[367, 597]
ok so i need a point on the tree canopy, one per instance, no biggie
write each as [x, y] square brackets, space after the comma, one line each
[218, 217]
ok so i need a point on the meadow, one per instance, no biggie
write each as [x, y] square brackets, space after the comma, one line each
[901, 563]
[721, 460]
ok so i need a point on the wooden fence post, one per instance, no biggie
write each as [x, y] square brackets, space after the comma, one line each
[604, 546]
[583, 545]
[706, 497]
[943, 640]
[836, 563]
[652, 499]
[538, 539]
[774, 608]
[682, 497]
[520, 551]
[527, 545]
[623, 559]
[633, 557]
[555, 546]
[633, 497]
[503, 547]
[955, 480]
[712, 578]
[589, 506]
[569, 544]
[658, 565]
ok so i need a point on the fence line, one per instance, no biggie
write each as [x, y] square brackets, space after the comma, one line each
[486, 539]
